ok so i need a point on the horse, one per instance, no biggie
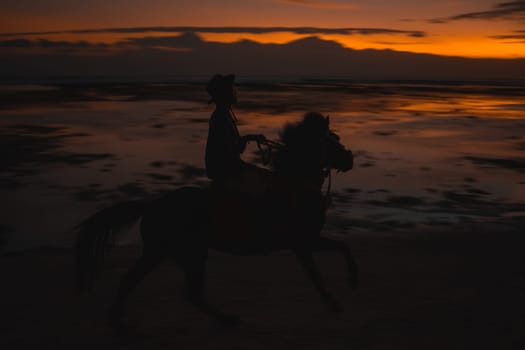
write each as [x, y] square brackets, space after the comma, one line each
[185, 223]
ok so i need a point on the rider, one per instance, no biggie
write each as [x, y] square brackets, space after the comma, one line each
[225, 144]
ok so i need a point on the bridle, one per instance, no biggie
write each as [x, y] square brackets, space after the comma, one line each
[273, 145]
[268, 153]
[328, 174]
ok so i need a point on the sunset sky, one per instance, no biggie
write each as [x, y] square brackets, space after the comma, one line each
[470, 28]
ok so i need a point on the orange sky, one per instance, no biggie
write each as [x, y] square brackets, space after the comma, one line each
[472, 35]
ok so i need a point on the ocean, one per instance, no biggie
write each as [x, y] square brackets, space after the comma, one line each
[428, 155]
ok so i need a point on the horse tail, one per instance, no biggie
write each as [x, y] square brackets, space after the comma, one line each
[95, 235]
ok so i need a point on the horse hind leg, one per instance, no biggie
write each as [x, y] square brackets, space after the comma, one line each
[327, 244]
[129, 281]
[195, 271]
[307, 261]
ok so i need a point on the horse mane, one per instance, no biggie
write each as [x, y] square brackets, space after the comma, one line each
[300, 143]
[312, 124]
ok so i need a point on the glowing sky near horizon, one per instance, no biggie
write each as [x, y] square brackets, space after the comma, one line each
[470, 28]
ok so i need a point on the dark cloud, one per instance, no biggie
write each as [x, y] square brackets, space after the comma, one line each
[24, 43]
[514, 10]
[509, 36]
[330, 5]
[517, 34]
[186, 40]
[438, 20]
[63, 44]
[247, 30]
[49, 44]
[511, 9]
[396, 43]
[516, 37]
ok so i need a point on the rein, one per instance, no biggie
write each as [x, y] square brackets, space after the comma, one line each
[267, 156]
[271, 145]
[328, 174]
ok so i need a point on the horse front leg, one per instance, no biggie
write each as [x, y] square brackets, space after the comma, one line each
[128, 282]
[195, 270]
[307, 262]
[327, 244]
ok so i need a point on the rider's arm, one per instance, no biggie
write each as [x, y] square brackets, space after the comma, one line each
[254, 137]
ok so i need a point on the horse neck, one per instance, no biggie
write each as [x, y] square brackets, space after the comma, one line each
[303, 170]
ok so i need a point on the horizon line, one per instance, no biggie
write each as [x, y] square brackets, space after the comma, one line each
[228, 29]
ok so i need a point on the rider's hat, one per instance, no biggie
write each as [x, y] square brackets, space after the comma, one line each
[220, 85]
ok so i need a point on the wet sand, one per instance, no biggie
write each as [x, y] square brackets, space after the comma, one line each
[426, 154]
[436, 290]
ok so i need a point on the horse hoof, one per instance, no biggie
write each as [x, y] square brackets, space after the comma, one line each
[353, 282]
[117, 326]
[335, 307]
[229, 320]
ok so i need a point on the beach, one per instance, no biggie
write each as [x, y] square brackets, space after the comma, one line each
[441, 290]
[433, 211]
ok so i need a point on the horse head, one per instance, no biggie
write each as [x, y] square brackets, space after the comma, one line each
[310, 146]
[336, 155]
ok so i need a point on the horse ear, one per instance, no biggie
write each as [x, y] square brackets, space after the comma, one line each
[327, 120]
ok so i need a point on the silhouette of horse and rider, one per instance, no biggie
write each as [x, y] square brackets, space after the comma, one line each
[246, 210]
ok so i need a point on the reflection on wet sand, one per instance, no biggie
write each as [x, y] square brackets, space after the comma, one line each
[426, 154]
